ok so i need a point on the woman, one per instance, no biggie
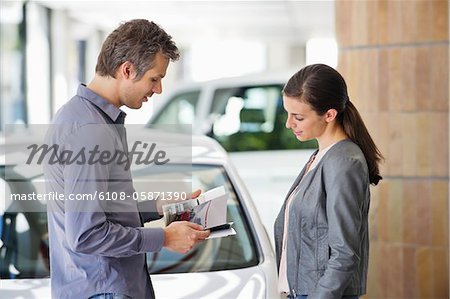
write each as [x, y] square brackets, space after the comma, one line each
[321, 232]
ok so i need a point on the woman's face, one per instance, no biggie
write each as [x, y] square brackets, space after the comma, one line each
[304, 122]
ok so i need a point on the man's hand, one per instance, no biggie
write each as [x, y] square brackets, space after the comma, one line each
[196, 193]
[160, 203]
[181, 236]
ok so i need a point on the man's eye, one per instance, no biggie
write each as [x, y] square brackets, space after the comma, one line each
[299, 118]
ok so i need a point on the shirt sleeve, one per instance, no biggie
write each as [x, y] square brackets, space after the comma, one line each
[88, 229]
[346, 184]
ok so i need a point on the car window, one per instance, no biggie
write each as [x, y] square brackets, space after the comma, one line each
[24, 236]
[252, 118]
[232, 252]
[180, 110]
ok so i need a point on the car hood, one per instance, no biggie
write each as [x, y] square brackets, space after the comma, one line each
[242, 283]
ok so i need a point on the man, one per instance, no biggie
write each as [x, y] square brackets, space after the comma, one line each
[97, 248]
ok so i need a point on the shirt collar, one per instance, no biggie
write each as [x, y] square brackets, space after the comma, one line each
[116, 115]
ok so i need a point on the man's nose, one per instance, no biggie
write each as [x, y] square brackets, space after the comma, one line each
[157, 88]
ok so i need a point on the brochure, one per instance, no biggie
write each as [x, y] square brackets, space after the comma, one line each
[209, 210]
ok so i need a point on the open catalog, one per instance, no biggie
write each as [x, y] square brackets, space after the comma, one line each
[209, 210]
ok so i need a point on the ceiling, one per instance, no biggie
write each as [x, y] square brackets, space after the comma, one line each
[186, 21]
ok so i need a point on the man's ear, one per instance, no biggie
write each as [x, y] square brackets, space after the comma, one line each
[330, 115]
[126, 70]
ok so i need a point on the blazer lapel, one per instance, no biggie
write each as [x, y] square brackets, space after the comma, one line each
[299, 177]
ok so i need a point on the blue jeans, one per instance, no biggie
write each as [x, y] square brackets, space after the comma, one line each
[109, 296]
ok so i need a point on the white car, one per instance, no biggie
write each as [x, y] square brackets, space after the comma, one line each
[237, 266]
[246, 116]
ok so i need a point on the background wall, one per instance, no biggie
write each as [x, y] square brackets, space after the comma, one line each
[395, 58]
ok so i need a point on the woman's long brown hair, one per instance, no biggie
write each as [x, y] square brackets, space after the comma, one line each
[323, 88]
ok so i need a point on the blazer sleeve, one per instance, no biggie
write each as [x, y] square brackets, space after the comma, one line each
[346, 185]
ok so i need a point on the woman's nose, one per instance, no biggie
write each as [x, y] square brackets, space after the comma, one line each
[289, 122]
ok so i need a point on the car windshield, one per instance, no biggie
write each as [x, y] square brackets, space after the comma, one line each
[24, 237]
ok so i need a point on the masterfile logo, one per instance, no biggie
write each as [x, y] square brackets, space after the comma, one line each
[56, 154]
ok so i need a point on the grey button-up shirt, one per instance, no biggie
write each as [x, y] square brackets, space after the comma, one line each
[96, 246]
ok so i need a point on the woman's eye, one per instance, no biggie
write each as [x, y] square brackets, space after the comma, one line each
[299, 118]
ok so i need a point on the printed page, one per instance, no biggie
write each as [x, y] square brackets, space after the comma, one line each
[222, 233]
[211, 194]
[212, 212]
[209, 210]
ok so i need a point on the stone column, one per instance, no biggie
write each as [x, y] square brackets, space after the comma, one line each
[395, 58]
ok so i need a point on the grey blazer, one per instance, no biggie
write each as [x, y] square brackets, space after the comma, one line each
[327, 242]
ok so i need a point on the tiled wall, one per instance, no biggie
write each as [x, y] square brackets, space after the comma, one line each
[395, 58]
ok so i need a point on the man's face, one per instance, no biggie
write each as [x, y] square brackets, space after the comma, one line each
[134, 93]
